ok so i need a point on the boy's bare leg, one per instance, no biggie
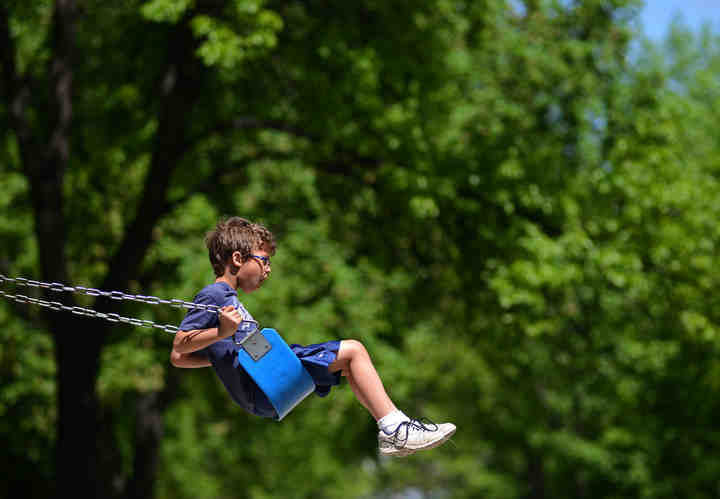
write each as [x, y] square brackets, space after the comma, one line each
[357, 391]
[356, 365]
[398, 435]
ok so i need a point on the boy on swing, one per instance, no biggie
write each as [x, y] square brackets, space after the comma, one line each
[240, 254]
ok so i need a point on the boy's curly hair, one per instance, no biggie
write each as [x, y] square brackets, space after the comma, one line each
[236, 234]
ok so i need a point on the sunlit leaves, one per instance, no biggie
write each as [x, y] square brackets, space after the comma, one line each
[226, 47]
[165, 10]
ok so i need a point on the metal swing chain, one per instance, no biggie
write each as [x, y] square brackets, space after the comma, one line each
[88, 312]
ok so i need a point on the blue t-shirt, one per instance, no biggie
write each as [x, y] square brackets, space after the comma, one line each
[223, 354]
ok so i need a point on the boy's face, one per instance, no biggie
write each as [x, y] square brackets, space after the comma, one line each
[253, 271]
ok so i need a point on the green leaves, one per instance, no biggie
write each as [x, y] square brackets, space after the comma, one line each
[227, 48]
[246, 30]
[168, 11]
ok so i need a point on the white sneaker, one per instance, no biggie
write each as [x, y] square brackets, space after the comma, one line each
[414, 435]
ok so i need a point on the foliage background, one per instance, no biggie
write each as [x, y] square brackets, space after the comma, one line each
[513, 204]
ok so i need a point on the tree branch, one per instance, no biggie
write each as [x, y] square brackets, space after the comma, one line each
[252, 123]
[45, 167]
[344, 162]
[347, 164]
[249, 122]
[210, 184]
[180, 89]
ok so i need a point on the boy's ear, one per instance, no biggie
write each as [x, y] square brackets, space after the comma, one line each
[235, 262]
[236, 258]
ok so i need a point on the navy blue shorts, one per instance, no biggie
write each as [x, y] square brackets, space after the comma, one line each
[316, 359]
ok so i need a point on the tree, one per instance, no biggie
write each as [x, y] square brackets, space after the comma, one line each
[142, 108]
[513, 217]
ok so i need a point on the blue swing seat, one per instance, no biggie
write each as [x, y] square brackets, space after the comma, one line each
[276, 369]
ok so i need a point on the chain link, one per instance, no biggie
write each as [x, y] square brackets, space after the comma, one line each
[88, 312]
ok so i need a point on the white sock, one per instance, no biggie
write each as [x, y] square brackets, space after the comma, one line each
[390, 422]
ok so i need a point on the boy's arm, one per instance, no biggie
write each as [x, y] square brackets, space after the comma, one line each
[191, 341]
[188, 360]
[186, 342]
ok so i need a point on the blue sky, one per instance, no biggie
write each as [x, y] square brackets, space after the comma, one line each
[657, 15]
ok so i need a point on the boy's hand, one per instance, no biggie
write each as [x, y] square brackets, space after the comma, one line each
[230, 319]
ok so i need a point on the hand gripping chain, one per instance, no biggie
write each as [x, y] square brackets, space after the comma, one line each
[88, 312]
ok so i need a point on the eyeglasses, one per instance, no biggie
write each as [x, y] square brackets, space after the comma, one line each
[264, 259]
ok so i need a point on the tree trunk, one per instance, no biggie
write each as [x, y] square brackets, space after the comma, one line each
[45, 150]
[77, 353]
[536, 475]
[149, 430]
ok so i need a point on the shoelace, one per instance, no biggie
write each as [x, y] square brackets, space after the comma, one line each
[421, 424]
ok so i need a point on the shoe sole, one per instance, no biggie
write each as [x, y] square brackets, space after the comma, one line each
[405, 451]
